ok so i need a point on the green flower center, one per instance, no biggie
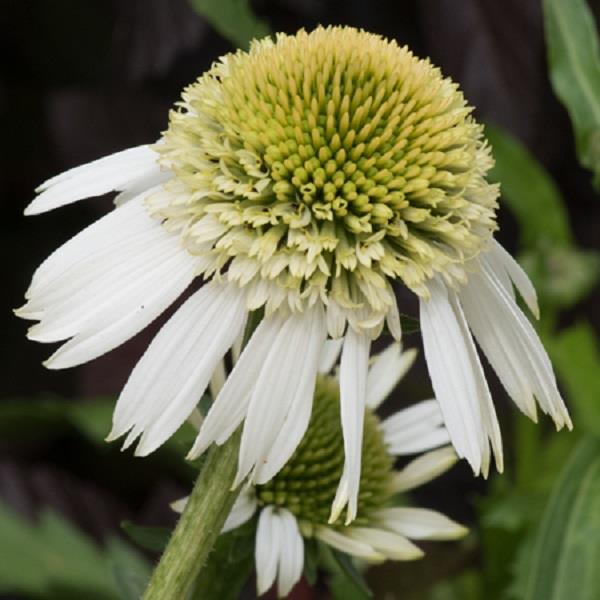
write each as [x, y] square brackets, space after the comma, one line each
[306, 486]
[326, 164]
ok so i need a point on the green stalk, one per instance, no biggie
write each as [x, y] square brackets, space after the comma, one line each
[199, 525]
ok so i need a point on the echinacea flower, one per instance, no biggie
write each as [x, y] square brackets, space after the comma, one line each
[294, 505]
[305, 177]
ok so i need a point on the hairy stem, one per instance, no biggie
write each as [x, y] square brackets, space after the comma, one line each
[199, 526]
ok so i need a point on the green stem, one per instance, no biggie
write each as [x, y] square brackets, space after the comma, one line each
[199, 526]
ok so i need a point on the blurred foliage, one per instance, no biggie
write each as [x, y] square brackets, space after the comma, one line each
[564, 562]
[53, 560]
[92, 418]
[229, 565]
[233, 19]
[561, 272]
[574, 64]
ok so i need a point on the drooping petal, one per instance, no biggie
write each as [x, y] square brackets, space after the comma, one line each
[491, 427]
[390, 544]
[415, 429]
[353, 391]
[113, 172]
[243, 508]
[329, 354]
[512, 346]
[345, 543]
[291, 553]
[266, 550]
[419, 523]
[229, 408]
[424, 468]
[499, 260]
[77, 260]
[287, 378]
[137, 186]
[291, 432]
[387, 369]
[457, 376]
[175, 370]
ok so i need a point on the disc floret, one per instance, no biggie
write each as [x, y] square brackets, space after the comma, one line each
[306, 486]
[326, 164]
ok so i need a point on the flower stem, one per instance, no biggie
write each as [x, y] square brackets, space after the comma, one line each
[199, 526]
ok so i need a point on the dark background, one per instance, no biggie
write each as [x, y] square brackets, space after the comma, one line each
[79, 80]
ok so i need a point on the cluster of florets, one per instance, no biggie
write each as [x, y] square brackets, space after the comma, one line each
[324, 166]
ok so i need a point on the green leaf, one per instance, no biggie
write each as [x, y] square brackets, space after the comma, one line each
[229, 565]
[528, 190]
[233, 19]
[347, 582]
[52, 559]
[574, 63]
[150, 538]
[564, 564]
[130, 571]
[467, 586]
[562, 275]
[576, 356]
[92, 418]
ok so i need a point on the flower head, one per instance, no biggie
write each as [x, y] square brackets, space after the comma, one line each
[296, 503]
[325, 165]
[306, 176]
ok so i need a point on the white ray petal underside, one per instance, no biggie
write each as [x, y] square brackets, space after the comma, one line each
[114, 172]
[286, 378]
[229, 408]
[173, 373]
[386, 371]
[353, 391]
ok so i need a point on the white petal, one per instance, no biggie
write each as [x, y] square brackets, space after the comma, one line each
[424, 469]
[217, 379]
[266, 550]
[512, 346]
[287, 378]
[347, 544]
[122, 227]
[499, 259]
[386, 371]
[291, 553]
[420, 523]
[175, 370]
[296, 422]
[242, 511]
[229, 408]
[491, 427]
[353, 390]
[391, 545]
[179, 505]
[330, 354]
[457, 377]
[135, 187]
[120, 322]
[415, 429]
[336, 320]
[113, 172]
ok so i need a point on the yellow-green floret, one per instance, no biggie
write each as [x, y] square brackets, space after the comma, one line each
[306, 486]
[326, 165]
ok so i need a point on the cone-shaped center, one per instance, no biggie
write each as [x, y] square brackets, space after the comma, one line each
[306, 486]
[328, 162]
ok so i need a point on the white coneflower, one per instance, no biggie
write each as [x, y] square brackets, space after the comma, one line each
[305, 177]
[294, 505]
